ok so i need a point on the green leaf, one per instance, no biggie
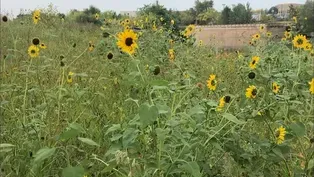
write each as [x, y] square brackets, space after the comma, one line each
[196, 110]
[232, 118]
[115, 137]
[43, 154]
[113, 128]
[70, 171]
[162, 133]
[88, 141]
[159, 83]
[192, 168]
[77, 126]
[298, 128]
[71, 133]
[311, 164]
[6, 145]
[129, 136]
[163, 109]
[212, 103]
[278, 152]
[148, 114]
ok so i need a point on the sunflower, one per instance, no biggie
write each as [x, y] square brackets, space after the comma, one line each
[189, 30]
[171, 54]
[91, 46]
[308, 46]
[127, 41]
[262, 28]
[268, 34]
[33, 51]
[254, 62]
[200, 43]
[70, 77]
[280, 134]
[171, 42]
[96, 16]
[275, 87]
[295, 19]
[126, 27]
[251, 92]
[256, 36]
[287, 34]
[43, 46]
[186, 75]
[221, 104]
[127, 21]
[154, 27]
[312, 86]
[299, 41]
[36, 16]
[212, 82]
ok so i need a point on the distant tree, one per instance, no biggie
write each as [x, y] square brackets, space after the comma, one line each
[265, 17]
[293, 11]
[306, 17]
[159, 11]
[203, 6]
[88, 15]
[225, 15]
[210, 16]
[241, 14]
[186, 17]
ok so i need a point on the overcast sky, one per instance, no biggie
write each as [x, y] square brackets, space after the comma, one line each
[14, 6]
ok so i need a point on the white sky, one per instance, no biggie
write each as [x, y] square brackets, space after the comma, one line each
[14, 6]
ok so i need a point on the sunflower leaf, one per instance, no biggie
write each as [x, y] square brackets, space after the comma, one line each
[232, 118]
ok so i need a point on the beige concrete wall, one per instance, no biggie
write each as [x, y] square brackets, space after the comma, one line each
[233, 36]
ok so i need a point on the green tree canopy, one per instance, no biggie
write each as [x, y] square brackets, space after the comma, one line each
[225, 15]
[241, 14]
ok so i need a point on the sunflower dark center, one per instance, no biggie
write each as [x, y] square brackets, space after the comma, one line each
[36, 17]
[33, 51]
[227, 99]
[129, 41]
[300, 41]
[251, 75]
[213, 82]
[253, 62]
[254, 92]
[36, 41]
[5, 18]
[277, 134]
[110, 56]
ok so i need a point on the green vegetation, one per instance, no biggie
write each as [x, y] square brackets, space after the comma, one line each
[79, 106]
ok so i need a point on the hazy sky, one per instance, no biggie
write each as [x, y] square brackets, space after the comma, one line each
[14, 6]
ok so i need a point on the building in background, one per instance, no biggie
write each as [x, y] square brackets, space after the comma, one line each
[257, 15]
[129, 13]
[283, 9]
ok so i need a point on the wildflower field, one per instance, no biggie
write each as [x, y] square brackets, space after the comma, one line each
[118, 100]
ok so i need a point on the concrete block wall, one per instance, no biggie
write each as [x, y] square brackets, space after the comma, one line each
[234, 36]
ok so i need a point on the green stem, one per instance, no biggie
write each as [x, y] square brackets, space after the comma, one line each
[25, 92]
